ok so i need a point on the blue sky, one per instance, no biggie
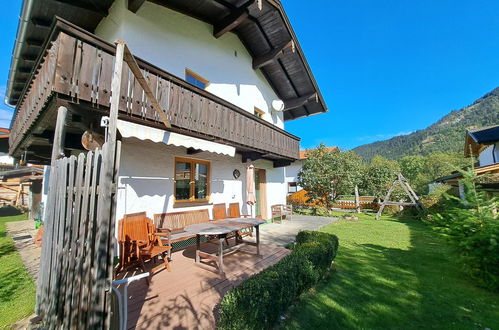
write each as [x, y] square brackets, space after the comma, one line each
[385, 67]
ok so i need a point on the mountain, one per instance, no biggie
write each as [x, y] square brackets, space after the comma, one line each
[446, 135]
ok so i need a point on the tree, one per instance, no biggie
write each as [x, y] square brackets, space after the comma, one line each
[421, 170]
[378, 175]
[327, 174]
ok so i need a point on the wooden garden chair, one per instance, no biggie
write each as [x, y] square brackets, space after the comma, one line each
[235, 212]
[140, 242]
[219, 211]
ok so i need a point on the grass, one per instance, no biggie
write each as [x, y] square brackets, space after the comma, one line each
[17, 289]
[394, 274]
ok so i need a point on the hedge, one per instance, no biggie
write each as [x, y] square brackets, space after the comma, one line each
[259, 301]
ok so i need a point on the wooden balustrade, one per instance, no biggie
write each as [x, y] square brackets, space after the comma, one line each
[78, 65]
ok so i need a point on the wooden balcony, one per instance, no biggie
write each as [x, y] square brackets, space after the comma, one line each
[76, 66]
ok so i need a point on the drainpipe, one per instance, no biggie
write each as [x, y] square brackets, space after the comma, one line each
[16, 54]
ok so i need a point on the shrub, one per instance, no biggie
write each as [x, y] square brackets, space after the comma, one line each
[473, 226]
[258, 302]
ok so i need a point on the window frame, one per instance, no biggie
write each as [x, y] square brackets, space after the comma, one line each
[292, 184]
[189, 72]
[192, 183]
[258, 112]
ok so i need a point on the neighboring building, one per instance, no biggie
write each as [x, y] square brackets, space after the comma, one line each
[483, 144]
[216, 67]
[295, 167]
[6, 161]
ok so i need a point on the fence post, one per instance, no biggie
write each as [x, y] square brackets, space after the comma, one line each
[357, 199]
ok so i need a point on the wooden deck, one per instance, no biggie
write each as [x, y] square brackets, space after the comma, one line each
[186, 297]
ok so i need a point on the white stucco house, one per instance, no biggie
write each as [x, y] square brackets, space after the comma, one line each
[229, 74]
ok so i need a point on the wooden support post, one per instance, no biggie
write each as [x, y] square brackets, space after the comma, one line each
[357, 200]
[134, 67]
[105, 228]
[387, 198]
[59, 134]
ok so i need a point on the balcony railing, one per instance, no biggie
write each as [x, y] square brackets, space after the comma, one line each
[79, 65]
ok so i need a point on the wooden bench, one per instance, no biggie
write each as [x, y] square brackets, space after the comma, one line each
[173, 224]
[281, 211]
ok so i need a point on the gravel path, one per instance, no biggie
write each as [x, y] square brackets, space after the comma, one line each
[23, 233]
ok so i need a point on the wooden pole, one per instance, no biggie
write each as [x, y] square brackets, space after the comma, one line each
[105, 222]
[357, 200]
[59, 134]
[134, 67]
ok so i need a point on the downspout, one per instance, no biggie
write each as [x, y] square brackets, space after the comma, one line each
[494, 153]
[16, 54]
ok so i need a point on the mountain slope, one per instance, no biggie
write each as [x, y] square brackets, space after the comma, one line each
[446, 135]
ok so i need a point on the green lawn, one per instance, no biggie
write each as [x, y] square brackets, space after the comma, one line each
[17, 290]
[394, 274]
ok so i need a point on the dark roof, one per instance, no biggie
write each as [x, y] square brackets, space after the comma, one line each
[485, 135]
[262, 32]
[478, 139]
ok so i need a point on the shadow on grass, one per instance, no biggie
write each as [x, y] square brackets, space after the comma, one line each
[8, 211]
[379, 287]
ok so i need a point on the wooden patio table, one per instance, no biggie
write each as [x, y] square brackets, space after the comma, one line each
[220, 229]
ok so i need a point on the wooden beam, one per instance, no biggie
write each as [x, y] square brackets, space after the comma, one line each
[272, 55]
[41, 22]
[29, 57]
[232, 20]
[134, 67]
[251, 156]
[59, 134]
[33, 42]
[134, 5]
[192, 151]
[299, 101]
[24, 69]
[87, 5]
[281, 163]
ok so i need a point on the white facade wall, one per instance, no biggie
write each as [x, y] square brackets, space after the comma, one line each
[292, 173]
[174, 41]
[489, 155]
[147, 171]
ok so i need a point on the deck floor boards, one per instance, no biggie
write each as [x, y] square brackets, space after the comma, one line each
[187, 297]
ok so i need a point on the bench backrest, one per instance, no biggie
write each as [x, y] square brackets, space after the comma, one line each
[177, 220]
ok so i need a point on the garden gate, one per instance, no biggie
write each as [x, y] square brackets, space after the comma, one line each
[78, 245]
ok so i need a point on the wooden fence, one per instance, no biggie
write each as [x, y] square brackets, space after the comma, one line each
[78, 246]
[366, 202]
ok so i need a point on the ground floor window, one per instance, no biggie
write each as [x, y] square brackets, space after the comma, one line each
[191, 180]
[292, 187]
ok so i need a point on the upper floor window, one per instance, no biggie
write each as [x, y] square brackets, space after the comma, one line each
[191, 180]
[195, 79]
[259, 113]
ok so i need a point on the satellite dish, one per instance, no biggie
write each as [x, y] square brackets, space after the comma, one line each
[278, 105]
